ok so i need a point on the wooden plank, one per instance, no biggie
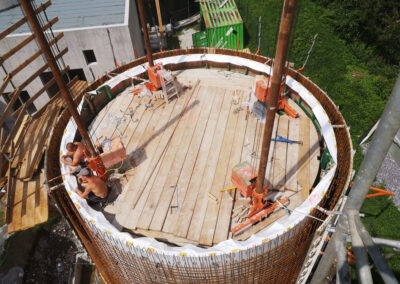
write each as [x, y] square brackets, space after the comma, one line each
[94, 128]
[219, 119]
[279, 164]
[222, 171]
[126, 119]
[198, 154]
[6, 81]
[136, 128]
[161, 236]
[292, 156]
[16, 127]
[208, 178]
[27, 40]
[16, 221]
[32, 156]
[168, 130]
[303, 174]
[269, 171]
[29, 136]
[158, 186]
[149, 142]
[17, 91]
[22, 21]
[113, 113]
[224, 216]
[187, 125]
[314, 153]
[28, 216]
[183, 183]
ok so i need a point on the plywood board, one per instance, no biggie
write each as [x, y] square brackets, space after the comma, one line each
[279, 164]
[224, 216]
[303, 174]
[292, 156]
[210, 220]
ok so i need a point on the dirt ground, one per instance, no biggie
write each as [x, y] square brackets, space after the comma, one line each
[47, 253]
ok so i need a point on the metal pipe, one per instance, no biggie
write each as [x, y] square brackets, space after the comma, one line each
[342, 266]
[386, 242]
[388, 127]
[143, 22]
[287, 19]
[379, 261]
[362, 263]
[44, 45]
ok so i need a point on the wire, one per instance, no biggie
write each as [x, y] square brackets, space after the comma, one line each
[116, 169]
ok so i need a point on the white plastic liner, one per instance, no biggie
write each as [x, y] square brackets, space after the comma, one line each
[141, 245]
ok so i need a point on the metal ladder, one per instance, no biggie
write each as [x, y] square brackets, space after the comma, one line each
[169, 86]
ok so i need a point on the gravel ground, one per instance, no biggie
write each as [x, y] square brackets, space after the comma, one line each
[53, 257]
[389, 175]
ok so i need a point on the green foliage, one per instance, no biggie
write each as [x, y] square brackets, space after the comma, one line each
[357, 80]
[374, 22]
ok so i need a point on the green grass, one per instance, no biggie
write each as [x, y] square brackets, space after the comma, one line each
[357, 80]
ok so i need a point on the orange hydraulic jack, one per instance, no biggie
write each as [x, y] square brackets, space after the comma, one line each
[244, 179]
[256, 215]
[263, 88]
[96, 164]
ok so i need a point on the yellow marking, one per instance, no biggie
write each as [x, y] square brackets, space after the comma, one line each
[212, 254]
[129, 243]
[323, 193]
[335, 146]
[150, 249]
[182, 254]
[288, 228]
[265, 240]
[69, 192]
[91, 221]
[108, 232]
[77, 206]
[234, 250]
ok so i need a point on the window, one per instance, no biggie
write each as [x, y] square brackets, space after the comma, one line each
[53, 89]
[77, 72]
[23, 97]
[89, 56]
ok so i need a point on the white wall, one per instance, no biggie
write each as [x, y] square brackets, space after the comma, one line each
[77, 40]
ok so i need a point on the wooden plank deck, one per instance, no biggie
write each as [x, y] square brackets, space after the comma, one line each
[189, 147]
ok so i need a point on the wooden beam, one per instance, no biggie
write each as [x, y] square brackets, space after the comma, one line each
[34, 56]
[13, 131]
[38, 93]
[22, 21]
[57, 95]
[18, 90]
[6, 81]
[27, 40]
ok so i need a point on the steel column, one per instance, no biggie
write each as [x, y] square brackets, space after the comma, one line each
[287, 19]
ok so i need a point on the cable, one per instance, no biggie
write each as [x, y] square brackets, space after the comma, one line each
[116, 169]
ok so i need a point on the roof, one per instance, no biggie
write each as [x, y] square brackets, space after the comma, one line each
[220, 13]
[72, 14]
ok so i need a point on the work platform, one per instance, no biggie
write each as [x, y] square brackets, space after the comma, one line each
[182, 155]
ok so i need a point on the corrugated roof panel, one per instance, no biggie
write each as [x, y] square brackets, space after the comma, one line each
[72, 14]
[214, 16]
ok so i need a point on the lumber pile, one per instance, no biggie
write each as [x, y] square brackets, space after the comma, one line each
[23, 151]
